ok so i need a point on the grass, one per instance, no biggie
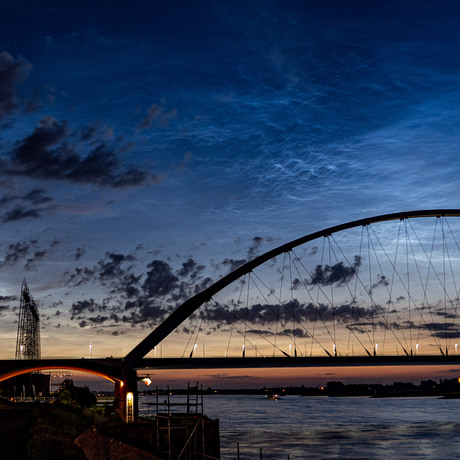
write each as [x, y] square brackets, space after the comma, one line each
[55, 428]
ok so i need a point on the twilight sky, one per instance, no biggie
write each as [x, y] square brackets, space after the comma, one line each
[146, 146]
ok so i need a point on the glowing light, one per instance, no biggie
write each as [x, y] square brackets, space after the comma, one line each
[147, 381]
[129, 407]
[46, 367]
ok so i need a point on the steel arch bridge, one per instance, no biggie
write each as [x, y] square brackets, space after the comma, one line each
[385, 274]
[383, 290]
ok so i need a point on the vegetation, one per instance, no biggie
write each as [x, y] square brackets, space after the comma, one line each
[57, 425]
[71, 395]
[54, 431]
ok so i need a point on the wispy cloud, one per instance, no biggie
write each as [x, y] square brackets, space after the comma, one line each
[157, 114]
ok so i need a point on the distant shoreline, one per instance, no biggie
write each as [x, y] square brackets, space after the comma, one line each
[448, 388]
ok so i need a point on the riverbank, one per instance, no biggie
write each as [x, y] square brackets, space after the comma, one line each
[42, 431]
[443, 388]
[15, 423]
[38, 430]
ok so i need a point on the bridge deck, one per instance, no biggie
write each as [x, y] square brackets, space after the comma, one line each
[113, 367]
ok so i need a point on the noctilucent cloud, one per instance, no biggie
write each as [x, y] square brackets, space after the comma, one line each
[148, 147]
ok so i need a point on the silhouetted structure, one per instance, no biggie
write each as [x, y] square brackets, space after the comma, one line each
[339, 293]
[177, 430]
[28, 339]
[30, 385]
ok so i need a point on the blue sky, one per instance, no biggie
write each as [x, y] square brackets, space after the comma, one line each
[157, 142]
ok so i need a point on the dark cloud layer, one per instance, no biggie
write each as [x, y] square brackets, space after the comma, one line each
[5, 302]
[82, 306]
[446, 330]
[26, 254]
[160, 279]
[135, 299]
[293, 311]
[332, 274]
[12, 72]
[30, 205]
[19, 213]
[16, 252]
[48, 153]
[37, 256]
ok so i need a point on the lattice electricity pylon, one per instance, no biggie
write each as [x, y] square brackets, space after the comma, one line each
[28, 338]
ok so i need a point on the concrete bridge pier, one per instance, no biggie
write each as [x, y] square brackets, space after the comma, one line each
[126, 396]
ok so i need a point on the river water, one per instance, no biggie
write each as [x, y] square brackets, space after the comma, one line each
[297, 427]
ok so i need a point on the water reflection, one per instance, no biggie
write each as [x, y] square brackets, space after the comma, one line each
[323, 428]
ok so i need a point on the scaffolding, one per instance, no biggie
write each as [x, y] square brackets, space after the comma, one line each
[185, 433]
[28, 338]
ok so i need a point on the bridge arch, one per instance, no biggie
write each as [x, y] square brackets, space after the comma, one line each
[113, 369]
[15, 373]
[12, 368]
[187, 308]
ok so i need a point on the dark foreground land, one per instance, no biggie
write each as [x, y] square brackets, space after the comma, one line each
[57, 431]
[15, 421]
[41, 431]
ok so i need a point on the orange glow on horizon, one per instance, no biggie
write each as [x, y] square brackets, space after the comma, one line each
[42, 368]
[309, 377]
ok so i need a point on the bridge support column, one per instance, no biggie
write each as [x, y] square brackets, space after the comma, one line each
[126, 396]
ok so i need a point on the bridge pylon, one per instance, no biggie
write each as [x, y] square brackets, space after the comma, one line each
[126, 396]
